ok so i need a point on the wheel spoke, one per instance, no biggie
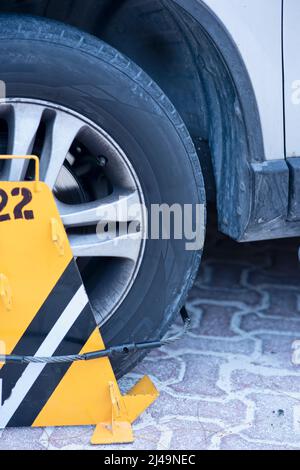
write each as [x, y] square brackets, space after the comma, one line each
[121, 206]
[106, 245]
[60, 134]
[23, 127]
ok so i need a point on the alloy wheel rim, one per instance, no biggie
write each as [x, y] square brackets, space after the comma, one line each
[67, 142]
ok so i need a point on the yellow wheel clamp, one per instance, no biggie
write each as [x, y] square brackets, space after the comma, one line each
[52, 372]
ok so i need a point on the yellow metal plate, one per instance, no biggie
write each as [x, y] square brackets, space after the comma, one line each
[44, 311]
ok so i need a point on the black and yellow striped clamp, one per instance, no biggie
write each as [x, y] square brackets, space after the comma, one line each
[45, 313]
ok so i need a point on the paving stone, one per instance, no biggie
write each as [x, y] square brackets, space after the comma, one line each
[21, 439]
[277, 351]
[243, 380]
[244, 346]
[169, 370]
[273, 419]
[246, 297]
[253, 323]
[224, 275]
[237, 442]
[216, 320]
[230, 413]
[283, 302]
[147, 438]
[275, 276]
[182, 431]
[200, 377]
[61, 437]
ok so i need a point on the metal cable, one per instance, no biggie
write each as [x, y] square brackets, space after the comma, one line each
[109, 352]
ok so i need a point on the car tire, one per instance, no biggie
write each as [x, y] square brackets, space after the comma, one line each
[46, 60]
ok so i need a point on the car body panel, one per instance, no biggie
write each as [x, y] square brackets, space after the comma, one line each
[255, 27]
[248, 36]
[291, 41]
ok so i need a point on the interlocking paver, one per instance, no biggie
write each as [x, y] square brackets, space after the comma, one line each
[200, 368]
[216, 320]
[203, 433]
[255, 323]
[276, 351]
[266, 379]
[273, 419]
[237, 442]
[230, 413]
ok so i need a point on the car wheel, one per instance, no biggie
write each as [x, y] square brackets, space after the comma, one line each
[106, 136]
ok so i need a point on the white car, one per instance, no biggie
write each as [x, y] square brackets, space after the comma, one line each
[153, 102]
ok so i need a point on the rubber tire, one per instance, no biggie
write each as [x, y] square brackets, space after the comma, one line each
[47, 60]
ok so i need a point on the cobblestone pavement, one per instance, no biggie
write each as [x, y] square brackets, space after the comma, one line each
[230, 384]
